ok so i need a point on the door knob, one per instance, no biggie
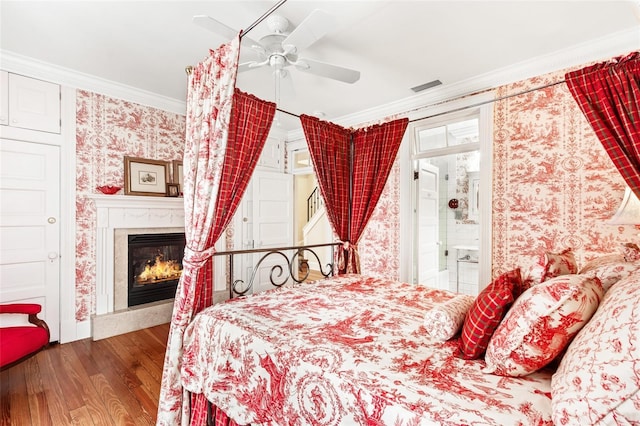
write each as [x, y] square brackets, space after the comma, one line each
[51, 220]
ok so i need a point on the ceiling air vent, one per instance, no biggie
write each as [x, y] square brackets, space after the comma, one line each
[426, 86]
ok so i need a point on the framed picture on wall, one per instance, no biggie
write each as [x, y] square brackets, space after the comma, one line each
[145, 177]
[178, 174]
[173, 190]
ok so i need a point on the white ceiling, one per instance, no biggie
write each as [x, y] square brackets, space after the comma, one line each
[395, 45]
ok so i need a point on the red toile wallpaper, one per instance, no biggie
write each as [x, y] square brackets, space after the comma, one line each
[107, 129]
[379, 246]
[554, 186]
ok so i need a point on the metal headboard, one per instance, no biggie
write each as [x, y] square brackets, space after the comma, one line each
[277, 275]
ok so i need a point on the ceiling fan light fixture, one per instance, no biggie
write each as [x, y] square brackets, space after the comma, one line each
[277, 61]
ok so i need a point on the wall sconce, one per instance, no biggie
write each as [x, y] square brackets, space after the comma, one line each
[629, 211]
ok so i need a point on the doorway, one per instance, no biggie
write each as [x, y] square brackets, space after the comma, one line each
[30, 229]
[447, 220]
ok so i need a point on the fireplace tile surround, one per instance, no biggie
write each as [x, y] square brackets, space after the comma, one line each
[117, 217]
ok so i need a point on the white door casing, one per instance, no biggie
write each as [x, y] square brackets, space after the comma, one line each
[427, 224]
[30, 227]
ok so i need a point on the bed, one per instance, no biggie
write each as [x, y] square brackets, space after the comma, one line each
[354, 349]
[347, 350]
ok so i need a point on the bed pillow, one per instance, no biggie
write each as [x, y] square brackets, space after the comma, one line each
[487, 311]
[551, 265]
[598, 379]
[541, 324]
[609, 269]
[444, 321]
[557, 264]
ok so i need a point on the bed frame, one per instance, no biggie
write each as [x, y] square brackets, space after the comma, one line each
[292, 256]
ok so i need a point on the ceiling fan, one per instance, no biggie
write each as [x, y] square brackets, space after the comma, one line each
[280, 49]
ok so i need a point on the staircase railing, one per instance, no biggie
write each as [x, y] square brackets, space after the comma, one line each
[314, 202]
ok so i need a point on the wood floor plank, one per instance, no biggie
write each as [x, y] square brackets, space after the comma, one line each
[83, 353]
[116, 409]
[143, 355]
[20, 412]
[55, 389]
[93, 403]
[81, 417]
[160, 332]
[114, 381]
[155, 348]
[5, 398]
[39, 410]
[32, 375]
[67, 370]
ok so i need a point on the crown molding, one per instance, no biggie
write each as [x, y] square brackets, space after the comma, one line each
[612, 45]
[615, 44]
[34, 68]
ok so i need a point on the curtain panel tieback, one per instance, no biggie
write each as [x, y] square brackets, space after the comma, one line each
[349, 251]
[197, 259]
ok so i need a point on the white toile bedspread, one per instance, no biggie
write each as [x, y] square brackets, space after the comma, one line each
[350, 350]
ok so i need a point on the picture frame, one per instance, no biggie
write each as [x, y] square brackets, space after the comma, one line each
[173, 190]
[178, 174]
[145, 177]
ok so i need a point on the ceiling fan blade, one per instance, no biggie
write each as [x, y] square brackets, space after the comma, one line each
[217, 27]
[248, 66]
[324, 69]
[313, 28]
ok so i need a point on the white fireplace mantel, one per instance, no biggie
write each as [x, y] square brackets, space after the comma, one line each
[126, 212]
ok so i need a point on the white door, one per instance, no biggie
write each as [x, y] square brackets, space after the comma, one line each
[427, 244]
[272, 225]
[264, 220]
[30, 227]
[34, 104]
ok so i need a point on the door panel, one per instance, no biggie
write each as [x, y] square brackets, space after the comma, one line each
[29, 227]
[272, 224]
[272, 209]
[427, 224]
[264, 219]
[34, 104]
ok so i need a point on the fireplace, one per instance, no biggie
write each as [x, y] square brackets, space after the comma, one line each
[154, 266]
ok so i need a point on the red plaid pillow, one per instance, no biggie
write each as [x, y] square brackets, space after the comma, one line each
[486, 313]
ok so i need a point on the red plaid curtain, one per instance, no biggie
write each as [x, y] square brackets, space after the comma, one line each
[249, 125]
[609, 96]
[329, 151]
[364, 156]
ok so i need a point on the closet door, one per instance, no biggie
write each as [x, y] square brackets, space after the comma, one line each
[30, 227]
[34, 104]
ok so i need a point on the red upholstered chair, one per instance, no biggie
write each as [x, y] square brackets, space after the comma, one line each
[17, 343]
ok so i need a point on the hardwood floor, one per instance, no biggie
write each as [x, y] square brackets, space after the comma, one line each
[314, 275]
[115, 381]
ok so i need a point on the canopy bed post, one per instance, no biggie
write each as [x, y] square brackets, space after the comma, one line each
[226, 131]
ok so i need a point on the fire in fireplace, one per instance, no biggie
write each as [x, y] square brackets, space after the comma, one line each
[155, 266]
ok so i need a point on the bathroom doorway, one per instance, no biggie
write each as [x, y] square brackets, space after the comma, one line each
[447, 227]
